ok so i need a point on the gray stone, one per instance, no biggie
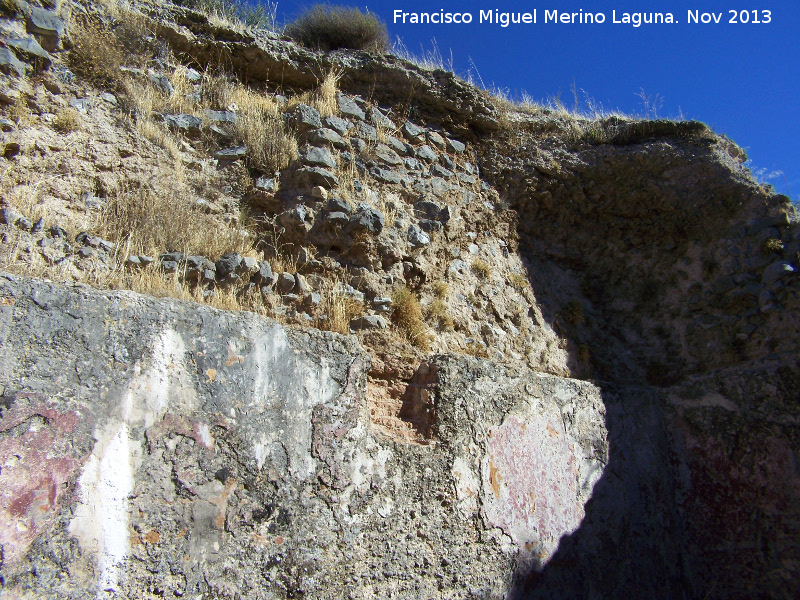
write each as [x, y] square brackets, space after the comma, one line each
[265, 184]
[318, 157]
[312, 299]
[339, 205]
[387, 155]
[193, 76]
[297, 220]
[312, 176]
[227, 264]
[285, 283]
[44, 22]
[367, 322]
[198, 264]
[324, 136]
[426, 153]
[455, 146]
[367, 219]
[55, 231]
[167, 256]
[339, 125]
[9, 216]
[384, 175]
[337, 219]
[82, 104]
[231, 154]
[780, 220]
[220, 116]
[301, 285]
[350, 292]
[412, 164]
[108, 97]
[458, 267]
[379, 119]
[436, 186]
[777, 271]
[306, 117]
[358, 144]
[413, 132]
[416, 237]
[347, 106]
[366, 132]
[397, 145]
[161, 82]
[436, 139]
[468, 179]
[441, 172]
[184, 122]
[30, 48]
[265, 275]
[429, 226]
[249, 266]
[428, 209]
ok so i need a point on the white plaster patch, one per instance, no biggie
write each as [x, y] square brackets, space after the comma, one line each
[468, 486]
[288, 386]
[101, 520]
[164, 384]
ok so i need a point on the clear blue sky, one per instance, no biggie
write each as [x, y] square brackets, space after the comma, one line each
[742, 79]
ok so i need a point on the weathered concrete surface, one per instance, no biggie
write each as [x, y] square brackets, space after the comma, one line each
[156, 448]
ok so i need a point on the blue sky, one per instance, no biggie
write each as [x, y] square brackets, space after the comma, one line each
[742, 79]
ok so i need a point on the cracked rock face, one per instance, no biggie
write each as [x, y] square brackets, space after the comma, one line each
[158, 448]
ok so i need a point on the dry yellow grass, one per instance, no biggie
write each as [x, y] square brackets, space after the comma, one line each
[439, 312]
[66, 121]
[441, 289]
[407, 317]
[336, 310]
[481, 268]
[146, 223]
[271, 145]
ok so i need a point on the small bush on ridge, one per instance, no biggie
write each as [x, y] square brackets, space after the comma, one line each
[326, 27]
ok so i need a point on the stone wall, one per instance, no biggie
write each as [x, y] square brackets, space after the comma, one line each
[155, 448]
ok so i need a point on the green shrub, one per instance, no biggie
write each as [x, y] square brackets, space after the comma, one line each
[326, 27]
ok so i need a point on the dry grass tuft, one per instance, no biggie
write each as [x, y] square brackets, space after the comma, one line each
[19, 111]
[324, 97]
[146, 223]
[407, 316]
[441, 289]
[271, 145]
[518, 281]
[573, 313]
[771, 246]
[336, 310]
[476, 349]
[66, 121]
[481, 268]
[439, 312]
